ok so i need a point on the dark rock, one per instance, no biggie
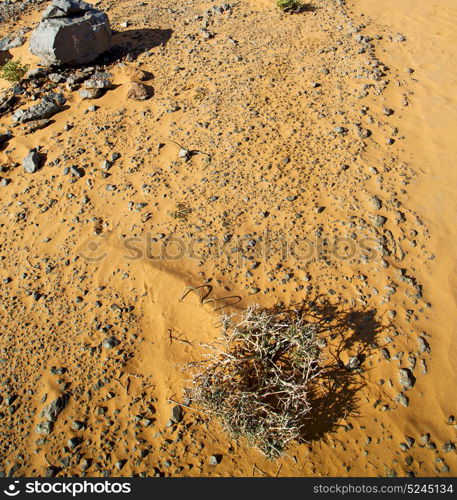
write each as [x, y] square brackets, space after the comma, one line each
[7, 103]
[51, 471]
[176, 414]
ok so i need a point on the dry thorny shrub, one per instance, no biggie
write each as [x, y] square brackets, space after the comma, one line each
[257, 377]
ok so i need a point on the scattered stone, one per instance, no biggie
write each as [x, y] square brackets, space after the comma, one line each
[423, 345]
[402, 399]
[35, 125]
[354, 363]
[5, 138]
[138, 91]
[99, 80]
[110, 343]
[52, 411]
[448, 447]
[379, 220]
[425, 438]
[177, 414]
[51, 471]
[32, 162]
[56, 78]
[11, 42]
[74, 442]
[407, 379]
[385, 353]
[377, 203]
[90, 93]
[77, 425]
[36, 73]
[85, 464]
[214, 460]
[45, 428]
[364, 133]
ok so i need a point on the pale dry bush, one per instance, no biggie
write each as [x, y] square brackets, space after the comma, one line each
[257, 378]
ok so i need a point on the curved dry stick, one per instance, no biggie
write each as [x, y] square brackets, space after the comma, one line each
[189, 289]
[205, 300]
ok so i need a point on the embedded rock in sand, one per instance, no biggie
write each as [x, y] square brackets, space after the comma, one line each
[71, 32]
[11, 42]
[47, 107]
[52, 411]
[138, 92]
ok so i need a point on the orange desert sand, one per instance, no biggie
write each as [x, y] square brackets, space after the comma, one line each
[335, 124]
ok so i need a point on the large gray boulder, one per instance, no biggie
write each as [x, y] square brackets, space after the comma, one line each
[71, 32]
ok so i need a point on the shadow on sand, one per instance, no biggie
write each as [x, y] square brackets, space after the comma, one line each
[334, 393]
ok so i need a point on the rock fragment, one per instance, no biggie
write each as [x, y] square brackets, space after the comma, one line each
[32, 162]
[407, 379]
[138, 92]
[48, 106]
[52, 411]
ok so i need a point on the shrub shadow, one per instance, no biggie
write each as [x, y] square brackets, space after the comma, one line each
[307, 7]
[5, 56]
[334, 392]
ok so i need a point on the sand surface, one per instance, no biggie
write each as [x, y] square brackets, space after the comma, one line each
[324, 174]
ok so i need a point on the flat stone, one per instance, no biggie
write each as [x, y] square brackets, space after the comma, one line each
[48, 106]
[90, 93]
[11, 42]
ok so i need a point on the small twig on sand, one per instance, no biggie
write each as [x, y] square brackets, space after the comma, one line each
[171, 400]
[260, 470]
